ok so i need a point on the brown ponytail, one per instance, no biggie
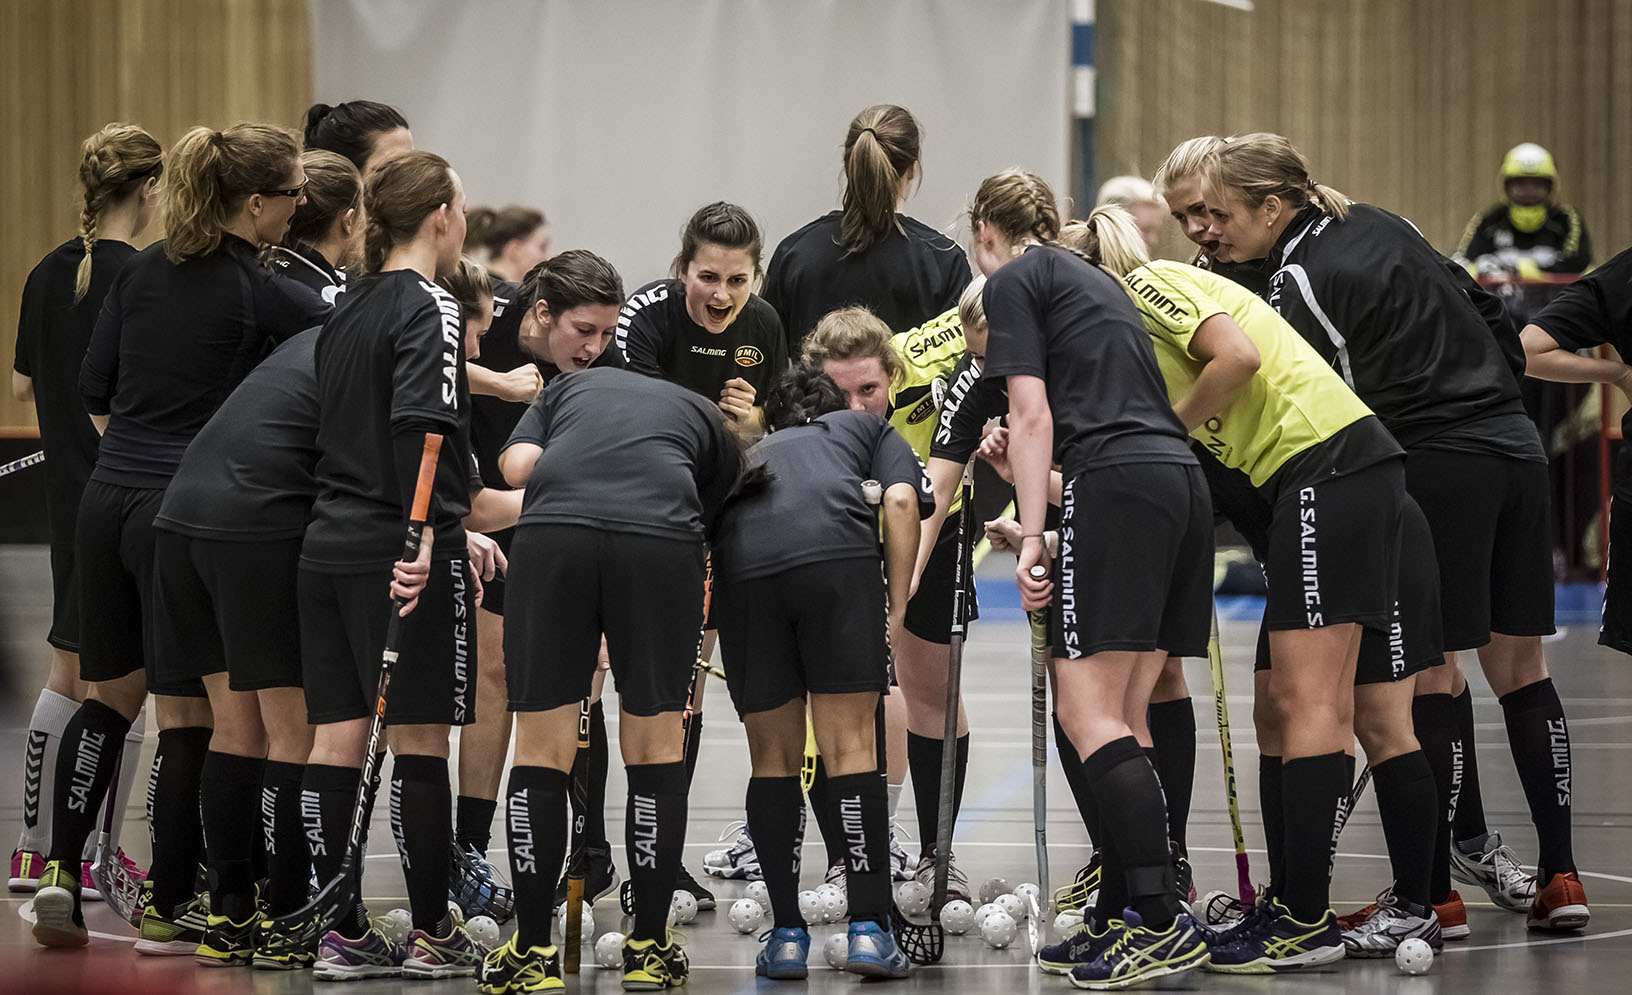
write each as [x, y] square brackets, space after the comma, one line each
[400, 193]
[880, 147]
[333, 187]
[212, 172]
[470, 285]
[113, 163]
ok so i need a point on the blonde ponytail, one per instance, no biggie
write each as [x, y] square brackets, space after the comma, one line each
[212, 173]
[113, 163]
[1109, 238]
[1263, 165]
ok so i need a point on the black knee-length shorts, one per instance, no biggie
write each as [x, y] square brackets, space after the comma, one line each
[227, 606]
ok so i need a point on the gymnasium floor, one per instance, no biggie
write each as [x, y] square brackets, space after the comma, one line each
[994, 838]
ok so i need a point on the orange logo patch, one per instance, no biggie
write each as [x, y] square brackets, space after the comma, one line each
[747, 355]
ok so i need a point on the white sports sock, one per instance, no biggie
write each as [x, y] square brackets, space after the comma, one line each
[893, 792]
[51, 714]
[129, 760]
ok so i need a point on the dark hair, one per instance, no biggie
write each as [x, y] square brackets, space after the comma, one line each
[881, 145]
[491, 230]
[333, 187]
[350, 128]
[721, 224]
[399, 195]
[212, 173]
[801, 395]
[574, 277]
[470, 285]
[113, 163]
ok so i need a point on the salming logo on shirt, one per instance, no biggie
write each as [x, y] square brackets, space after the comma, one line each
[1158, 300]
[626, 315]
[452, 333]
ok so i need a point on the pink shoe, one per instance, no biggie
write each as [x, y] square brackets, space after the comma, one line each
[25, 870]
[87, 887]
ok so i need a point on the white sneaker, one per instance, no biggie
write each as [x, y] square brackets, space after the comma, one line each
[1388, 927]
[1496, 869]
[901, 865]
[957, 883]
[739, 861]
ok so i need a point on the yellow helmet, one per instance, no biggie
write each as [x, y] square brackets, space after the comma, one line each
[1529, 159]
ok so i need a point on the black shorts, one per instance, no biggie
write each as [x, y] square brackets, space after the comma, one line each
[64, 634]
[114, 545]
[1333, 550]
[929, 613]
[1616, 628]
[816, 628]
[645, 593]
[343, 621]
[1135, 564]
[493, 590]
[1412, 642]
[1494, 542]
[227, 606]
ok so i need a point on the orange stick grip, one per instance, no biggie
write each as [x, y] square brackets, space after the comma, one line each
[427, 477]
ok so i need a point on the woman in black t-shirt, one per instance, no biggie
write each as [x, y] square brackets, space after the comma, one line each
[326, 234]
[1133, 579]
[1399, 323]
[185, 321]
[799, 604]
[119, 173]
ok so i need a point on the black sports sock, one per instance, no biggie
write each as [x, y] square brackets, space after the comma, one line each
[289, 862]
[1540, 740]
[655, 827]
[91, 742]
[858, 808]
[1469, 821]
[694, 742]
[226, 801]
[1077, 781]
[1173, 732]
[1274, 814]
[1113, 895]
[831, 838]
[598, 758]
[1433, 717]
[473, 822]
[776, 821]
[328, 795]
[924, 764]
[422, 822]
[536, 827]
[1133, 815]
[178, 837]
[1312, 788]
[1408, 804]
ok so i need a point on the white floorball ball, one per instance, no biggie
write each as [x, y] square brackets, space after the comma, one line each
[759, 892]
[957, 916]
[834, 906]
[1028, 893]
[1014, 905]
[993, 887]
[484, 930]
[1066, 921]
[837, 951]
[1414, 956]
[682, 906]
[586, 929]
[913, 898]
[609, 950]
[983, 912]
[746, 915]
[998, 930]
[395, 925]
[810, 906]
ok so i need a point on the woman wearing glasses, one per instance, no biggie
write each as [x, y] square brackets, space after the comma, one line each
[185, 320]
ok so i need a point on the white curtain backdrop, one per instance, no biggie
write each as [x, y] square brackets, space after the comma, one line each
[618, 118]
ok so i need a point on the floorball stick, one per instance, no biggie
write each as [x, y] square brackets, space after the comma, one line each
[1221, 709]
[22, 464]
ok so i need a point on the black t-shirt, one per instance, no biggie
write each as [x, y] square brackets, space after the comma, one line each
[53, 332]
[625, 454]
[1594, 310]
[910, 275]
[659, 339]
[390, 368]
[171, 343]
[492, 419]
[1379, 303]
[251, 474]
[971, 401]
[307, 267]
[1052, 315]
[813, 510]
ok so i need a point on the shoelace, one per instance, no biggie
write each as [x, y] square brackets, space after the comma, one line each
[735, 828]
[1508, 872]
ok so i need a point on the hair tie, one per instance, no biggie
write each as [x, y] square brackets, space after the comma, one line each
[867, 131]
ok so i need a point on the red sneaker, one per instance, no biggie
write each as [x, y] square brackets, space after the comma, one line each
[1561, 904]
[1355, 918]
[1453, 917]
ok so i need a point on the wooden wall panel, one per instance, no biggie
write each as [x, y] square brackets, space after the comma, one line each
[1407, 104]
[70, 66]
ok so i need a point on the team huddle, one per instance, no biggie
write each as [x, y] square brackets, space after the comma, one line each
[342, 466]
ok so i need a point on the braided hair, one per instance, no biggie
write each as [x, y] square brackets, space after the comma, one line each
[113, 163]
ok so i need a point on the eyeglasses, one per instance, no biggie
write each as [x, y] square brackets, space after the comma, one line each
[290, 192]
